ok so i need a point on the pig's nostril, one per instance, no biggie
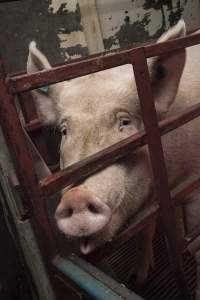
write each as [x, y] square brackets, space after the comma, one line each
[69, 212]
[93, 209]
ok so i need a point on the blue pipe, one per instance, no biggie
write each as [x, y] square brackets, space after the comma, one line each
[85, 281]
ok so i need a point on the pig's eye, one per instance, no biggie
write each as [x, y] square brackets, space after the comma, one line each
[63, 129]
[124, 122]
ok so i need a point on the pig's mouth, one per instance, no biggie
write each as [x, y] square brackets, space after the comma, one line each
[90, 243]
[87, 244]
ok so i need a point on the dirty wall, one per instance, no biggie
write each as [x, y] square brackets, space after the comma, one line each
[67, 29]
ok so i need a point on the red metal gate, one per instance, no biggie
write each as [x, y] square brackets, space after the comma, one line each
[37, 191]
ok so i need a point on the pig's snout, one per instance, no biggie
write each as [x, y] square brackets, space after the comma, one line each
[81, 213]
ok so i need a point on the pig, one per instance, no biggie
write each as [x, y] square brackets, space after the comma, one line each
[98, 110]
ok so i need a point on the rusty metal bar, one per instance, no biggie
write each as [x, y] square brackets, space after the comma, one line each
[171, 45]
[27, 106]
[97, 63]
[175, 121]
[188, 190]
[100, 160]
[167, 207]
[33, 125]
[24, 165]
[90, 165]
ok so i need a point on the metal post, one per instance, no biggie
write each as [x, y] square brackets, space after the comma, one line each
[24, 165]
[167, 207]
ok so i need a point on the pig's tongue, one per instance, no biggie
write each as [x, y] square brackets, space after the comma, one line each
[87, 245]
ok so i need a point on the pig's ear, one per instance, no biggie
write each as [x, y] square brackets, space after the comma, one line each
[166, 71]
[37, 61]
[45, 98]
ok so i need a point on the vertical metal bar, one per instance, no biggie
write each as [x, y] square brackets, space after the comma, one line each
[27, 106]
[167, 207]
[24, 165]
[30, 114]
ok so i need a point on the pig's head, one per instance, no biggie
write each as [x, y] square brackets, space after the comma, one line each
[94, 112]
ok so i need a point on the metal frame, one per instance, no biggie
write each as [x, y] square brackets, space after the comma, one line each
[37, 191]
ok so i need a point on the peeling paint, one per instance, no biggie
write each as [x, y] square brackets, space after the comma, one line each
[56, 26]
[129, 33]
[72, 45]
[191, 13]
[44, 23]
[73, 40]
[74, 51]
[66, 21]
[175, 10]
[126, 22]
[56, 4]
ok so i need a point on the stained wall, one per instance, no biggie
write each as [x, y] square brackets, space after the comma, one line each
[67, 29]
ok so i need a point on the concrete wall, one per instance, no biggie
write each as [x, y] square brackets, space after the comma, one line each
[55, 25]
[131, 22]
[67, 29]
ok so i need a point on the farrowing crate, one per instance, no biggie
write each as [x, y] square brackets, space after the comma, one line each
[37, 191]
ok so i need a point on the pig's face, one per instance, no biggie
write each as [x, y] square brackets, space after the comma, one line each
[96, 118]
[94, 112]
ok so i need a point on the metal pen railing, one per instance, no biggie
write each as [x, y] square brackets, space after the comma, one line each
[36, 192]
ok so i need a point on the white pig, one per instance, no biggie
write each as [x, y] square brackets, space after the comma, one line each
[100, 109]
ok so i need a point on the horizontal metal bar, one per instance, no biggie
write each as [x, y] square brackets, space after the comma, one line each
[94, 64]
[100, 160]
[172, 45]
[33, 125]
[91, 280]
[67, 71]
[91, 165]
[188, 190]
